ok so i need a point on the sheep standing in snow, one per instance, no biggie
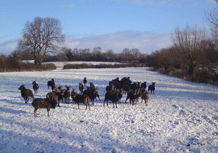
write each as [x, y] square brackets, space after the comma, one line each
[35, 86]
[26, 93]
[113, 96]
[51, 83]
[41, 103]
[132, 96]
[85, 81]
[57, 96]
[126, 88]
[67, 94]
[145, 97]
[92, 93]
[80, 98]
[110, 87]
[151, 87]
[81, 87]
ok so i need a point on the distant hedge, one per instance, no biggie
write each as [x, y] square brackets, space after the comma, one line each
[85, 66]
[10, 64]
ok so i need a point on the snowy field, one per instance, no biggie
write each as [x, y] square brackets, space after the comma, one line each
[180, 117]
[60, 65]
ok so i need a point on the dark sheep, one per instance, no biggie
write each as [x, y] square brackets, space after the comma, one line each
[120, 95]
[35, 86]
[41, 103]
[67, 95]
[118, 85]
[92, 94]
[81, 87]
[85, 81]
[26, 93]
[80, 99]
[145, 97]
[151, 87]
[51, 83]
[92, 86]
[110, 87]
[56, 96]
[112, 96]
[126, 88]
[144, 85]
[57, 89]
[132, 96]
[126, 80]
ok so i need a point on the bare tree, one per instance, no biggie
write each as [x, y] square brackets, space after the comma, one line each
[189, 45]
[136, 54]
[41, 36]
[96, 51]
[212, 17]
[84, 53]
[110, 55]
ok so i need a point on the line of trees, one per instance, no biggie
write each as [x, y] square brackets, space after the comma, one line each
[127, 55]
[68, 54]
[193, 55]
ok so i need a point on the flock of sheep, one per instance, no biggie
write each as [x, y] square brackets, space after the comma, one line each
[114, 92]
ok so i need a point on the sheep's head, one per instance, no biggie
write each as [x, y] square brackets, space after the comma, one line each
[74, 93]
[21, 87]
[34, 82]
[74, 90]
[68, 87]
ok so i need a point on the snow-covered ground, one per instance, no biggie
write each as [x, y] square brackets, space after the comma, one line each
[180, 117]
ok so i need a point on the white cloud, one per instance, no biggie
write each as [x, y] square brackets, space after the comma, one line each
[8, 46]
[144, 41]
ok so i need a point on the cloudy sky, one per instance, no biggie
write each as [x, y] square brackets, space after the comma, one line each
[109, 24]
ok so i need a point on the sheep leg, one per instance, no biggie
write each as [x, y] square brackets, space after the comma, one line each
[26, 100]
[78, 105]
[146, 103]
[48, 109]
[35, 114]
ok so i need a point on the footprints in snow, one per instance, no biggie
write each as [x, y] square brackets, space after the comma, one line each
[191, 117]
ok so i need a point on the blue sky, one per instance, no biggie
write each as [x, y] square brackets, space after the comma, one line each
[110, 24]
